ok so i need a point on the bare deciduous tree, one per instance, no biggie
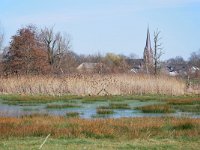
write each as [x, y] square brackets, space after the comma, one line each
[158, 50]
[195, 58]
[56, 44]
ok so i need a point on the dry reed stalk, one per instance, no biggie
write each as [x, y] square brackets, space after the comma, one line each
[116, 84]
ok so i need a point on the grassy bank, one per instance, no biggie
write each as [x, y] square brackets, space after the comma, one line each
[85, 99]
[91, 144]
[116, 84]
[18, 99]
[114, 101]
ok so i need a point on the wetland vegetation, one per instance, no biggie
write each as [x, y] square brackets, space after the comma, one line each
[156, 109]
[113, 106]
[122, 133]
[61, 106]
[158, 118]
[73, 114]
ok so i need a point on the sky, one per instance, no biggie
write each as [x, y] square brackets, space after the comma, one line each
[116, 26]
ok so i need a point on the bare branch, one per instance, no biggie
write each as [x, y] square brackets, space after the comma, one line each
[158, 50]
[56, 45]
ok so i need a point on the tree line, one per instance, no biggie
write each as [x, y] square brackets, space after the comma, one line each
[34, 51]
[44, 51]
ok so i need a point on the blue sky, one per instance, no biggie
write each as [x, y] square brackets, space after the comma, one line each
[117, 26]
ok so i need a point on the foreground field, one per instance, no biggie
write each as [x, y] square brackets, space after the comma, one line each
[125, 133]
[99, 144]
[122, 128]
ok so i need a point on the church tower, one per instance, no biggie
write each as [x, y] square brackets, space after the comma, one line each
[148, 53]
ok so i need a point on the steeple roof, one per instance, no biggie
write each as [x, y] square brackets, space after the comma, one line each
[148, 53]
[148, 41]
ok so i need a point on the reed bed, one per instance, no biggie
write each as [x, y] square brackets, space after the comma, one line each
[82, 85]
[104, 111]
[156, 109]
[61, 106]
[124, 128]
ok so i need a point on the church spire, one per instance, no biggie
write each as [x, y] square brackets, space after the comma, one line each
[148, 53]
[148, 40]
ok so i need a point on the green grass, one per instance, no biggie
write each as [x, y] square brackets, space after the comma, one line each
[192, 101]
[119, 106]
[35, 99]
[188, 108]
[31, 109]
[156, 109]
[91, 144]
[115, 106]
[184, 126]
[15, 99]
[120, 98]
[61, 106]
[104, 111]
[93, 100]
[73, 114]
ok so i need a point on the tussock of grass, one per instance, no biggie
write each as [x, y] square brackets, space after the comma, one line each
[103, 107]
[184, 126]
[72, 114]
[115, 106]
[190, 104]
[119, 106]
[93, 99]
[61, 106]
[104, 111]
[156, 109]
[188, 108]
[187, 101]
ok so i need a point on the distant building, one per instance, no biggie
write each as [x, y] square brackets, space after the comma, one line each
[194, 69]
[137, 65]
[143, 65]
[88, 67]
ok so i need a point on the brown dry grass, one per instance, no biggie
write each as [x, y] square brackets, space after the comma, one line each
[156, 109]
[184, 101]
[117, 84]
[124, 128]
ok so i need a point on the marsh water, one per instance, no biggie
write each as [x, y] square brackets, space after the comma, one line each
[85, 109]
